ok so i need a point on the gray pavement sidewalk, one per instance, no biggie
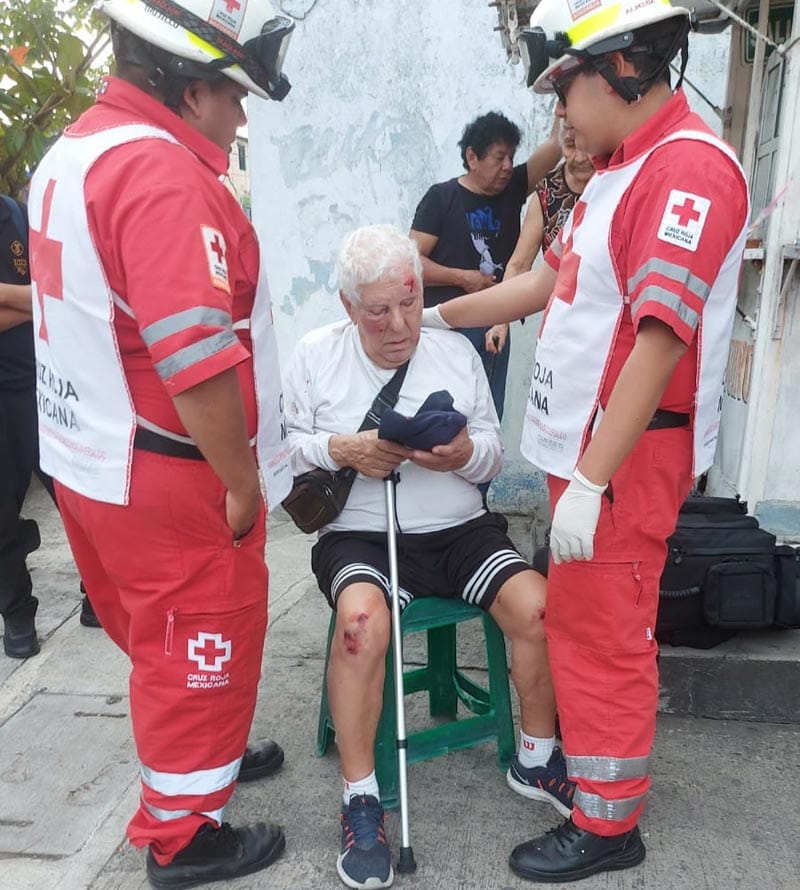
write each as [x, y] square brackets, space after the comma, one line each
[724, 812]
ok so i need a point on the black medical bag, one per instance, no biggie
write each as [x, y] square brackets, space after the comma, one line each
[723, 574]
[720, 575]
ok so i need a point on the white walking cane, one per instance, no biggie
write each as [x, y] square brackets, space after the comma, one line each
[406, 861]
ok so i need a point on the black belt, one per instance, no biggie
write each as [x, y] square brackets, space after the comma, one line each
[147, 440]
[667, 420]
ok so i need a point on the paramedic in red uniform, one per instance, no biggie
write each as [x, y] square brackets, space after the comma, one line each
[640, 293]
[157, 370]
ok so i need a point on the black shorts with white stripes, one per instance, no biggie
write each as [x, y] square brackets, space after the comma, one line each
[472, 561]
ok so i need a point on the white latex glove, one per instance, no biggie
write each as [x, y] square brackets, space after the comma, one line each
[432, 318]
[575, 520]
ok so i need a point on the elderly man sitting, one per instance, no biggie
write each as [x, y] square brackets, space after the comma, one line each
[449, 545]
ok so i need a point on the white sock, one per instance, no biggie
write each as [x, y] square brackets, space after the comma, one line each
[367, 785]
[533, 751]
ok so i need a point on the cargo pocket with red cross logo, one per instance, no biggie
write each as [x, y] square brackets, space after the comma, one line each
[193, 719]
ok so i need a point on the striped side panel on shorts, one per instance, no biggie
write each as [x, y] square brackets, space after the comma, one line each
[475, 589]
[362, 571]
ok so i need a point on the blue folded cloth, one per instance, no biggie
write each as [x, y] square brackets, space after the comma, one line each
[436, 422]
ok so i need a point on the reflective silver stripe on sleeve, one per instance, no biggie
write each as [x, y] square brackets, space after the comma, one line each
[679, 274]
[180, 321]
[656, 294]
[555, 246]
[191, 355]
[596, 807]
[169, 815]
[201, 781]
[242, 325]
[607, 769]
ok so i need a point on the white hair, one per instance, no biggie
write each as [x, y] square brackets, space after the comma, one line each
[372, 253]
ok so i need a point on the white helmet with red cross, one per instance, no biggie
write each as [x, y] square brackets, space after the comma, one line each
[564, 33]
[243, 39]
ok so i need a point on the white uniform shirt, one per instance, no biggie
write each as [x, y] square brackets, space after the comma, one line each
[330, 385]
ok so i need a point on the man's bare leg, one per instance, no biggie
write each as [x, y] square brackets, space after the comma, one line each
[356, 671]
[518, 610]
[539, 770]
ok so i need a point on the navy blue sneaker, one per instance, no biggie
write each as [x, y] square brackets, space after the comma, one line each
[365, 860]
[548, 783]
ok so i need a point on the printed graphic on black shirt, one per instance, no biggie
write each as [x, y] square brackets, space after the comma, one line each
[472, 231]
[484, 228]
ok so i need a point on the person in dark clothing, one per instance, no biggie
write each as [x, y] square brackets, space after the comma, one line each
[466, 228]
[19, 441]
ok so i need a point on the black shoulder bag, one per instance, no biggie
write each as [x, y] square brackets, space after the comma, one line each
[319, 496]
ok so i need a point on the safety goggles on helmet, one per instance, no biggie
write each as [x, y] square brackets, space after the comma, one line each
[261, 57]
[538, 52]
[563, 33]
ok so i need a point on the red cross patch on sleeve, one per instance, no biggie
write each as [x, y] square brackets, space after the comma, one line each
[683, 219]
[216, 252]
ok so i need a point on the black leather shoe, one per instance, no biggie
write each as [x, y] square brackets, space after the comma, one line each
[88, 617]
[569, 853]
[218, 854]
[260, 759]
[19, 639]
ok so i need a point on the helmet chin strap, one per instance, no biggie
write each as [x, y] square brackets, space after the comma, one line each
[631, 89]
[166, 73]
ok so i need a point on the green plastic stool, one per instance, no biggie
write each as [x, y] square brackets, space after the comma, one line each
[490, 708]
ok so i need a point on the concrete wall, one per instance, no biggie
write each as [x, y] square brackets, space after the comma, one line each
[769, 469]
[381, 92]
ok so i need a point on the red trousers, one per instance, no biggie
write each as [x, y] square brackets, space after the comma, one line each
[190, 610]
[600, 624]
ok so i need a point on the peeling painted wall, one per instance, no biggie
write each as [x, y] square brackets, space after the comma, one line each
[381, 92]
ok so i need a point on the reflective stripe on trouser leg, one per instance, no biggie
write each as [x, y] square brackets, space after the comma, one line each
[596, 807]
[616, 709]
[607, 769]
[600, 625]
[197, 610]
[169, 815]
[202, 781]
[199, 788]
[192, 730]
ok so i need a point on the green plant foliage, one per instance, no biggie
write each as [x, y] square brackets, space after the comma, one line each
[52, 54]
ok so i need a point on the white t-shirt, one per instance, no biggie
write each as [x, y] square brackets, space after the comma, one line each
[330, 385]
